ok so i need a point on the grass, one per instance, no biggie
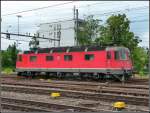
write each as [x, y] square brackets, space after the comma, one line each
[7, 70]
[145, 76]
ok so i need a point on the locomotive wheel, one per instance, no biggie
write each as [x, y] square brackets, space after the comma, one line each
[83, 76]
[19, 74]
[61, 75]
[53, 74]
[47, 75]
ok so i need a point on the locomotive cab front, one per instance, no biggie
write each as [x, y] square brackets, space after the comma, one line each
[119, 61]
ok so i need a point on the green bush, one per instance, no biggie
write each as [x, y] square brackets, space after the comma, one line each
[8, 70]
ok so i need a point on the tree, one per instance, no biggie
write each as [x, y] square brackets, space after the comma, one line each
[140, 59]
[117, 30]
[34, 43]
[88, 33]
[9, 56]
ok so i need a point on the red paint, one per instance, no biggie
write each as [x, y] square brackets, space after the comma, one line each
[100, 61]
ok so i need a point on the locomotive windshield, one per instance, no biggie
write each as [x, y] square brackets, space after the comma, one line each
[116, 56]
[121, 54]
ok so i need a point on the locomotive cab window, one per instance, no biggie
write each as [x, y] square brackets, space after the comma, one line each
[19, 58]
[116, 55]
[33, 58]
[89, 57]
[108, 55]
[67, 57]
[49, 58]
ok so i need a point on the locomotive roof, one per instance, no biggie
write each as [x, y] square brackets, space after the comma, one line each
[73, 49]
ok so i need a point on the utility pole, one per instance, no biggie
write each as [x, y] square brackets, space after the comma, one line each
[77, 27]
[59, 35]
[75, 12]
[19, 16]
[74, 15]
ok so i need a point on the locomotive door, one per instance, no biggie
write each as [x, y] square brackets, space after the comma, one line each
[109, 59]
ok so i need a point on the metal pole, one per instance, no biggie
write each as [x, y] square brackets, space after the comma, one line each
[74, 14]
[77, 27]
[19, 16]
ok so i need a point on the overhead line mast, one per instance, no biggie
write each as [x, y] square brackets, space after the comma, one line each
[75, 18]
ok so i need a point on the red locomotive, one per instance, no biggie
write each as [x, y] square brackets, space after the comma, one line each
[92, 61]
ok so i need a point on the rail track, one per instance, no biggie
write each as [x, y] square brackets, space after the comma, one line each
[40, 106]
[130, 93]
[134, 100]
[73, 83]
[101, 89]
[30, 105]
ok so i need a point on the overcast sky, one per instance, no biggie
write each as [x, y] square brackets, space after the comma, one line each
[136, 11]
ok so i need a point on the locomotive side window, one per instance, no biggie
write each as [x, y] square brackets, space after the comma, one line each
[108, 55]
[20, 58]
[116, 55]
[67, 57]
[89, 57]
[33, 58]
[49, 58]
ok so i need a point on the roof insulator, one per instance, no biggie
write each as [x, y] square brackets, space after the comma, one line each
[51, 51]
[67, 51]
[86, 49]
